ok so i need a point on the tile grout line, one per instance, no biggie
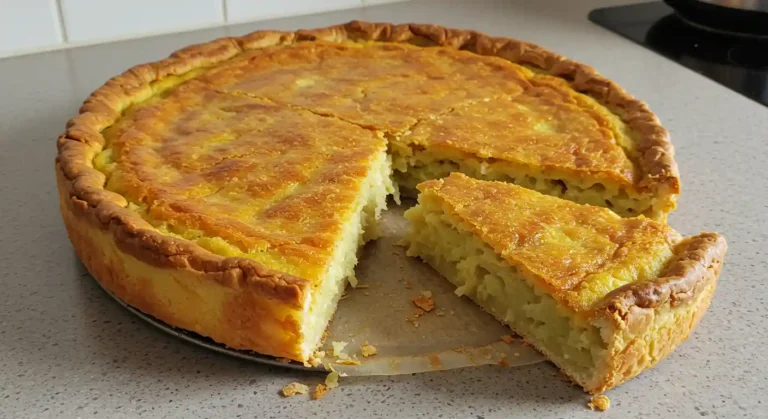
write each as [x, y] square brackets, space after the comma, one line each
[66, 44]
[225, 10]
[62, 26]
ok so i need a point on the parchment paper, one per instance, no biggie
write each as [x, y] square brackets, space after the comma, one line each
[455, 334]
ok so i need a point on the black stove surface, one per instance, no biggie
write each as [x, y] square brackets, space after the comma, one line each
[737, 62]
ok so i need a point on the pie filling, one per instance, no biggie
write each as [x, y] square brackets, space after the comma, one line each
[361, 227]
[410, 172]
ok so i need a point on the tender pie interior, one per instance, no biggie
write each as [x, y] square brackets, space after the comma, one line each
[257, 166]
[548, 267]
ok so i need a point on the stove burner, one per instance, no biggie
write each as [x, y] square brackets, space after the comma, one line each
[752, 59]
[721, 30]
[737, 62]
[725, 20]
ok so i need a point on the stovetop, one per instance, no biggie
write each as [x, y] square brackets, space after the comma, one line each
[737, 62]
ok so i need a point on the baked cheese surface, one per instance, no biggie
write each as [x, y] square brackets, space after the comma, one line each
[240, 176]
[577, 253]
[263, 155]
[545, 130]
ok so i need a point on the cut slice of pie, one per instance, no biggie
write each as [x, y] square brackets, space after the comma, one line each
[603, 297]
[235, 218]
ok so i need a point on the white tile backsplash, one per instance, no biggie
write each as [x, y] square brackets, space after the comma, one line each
[88, 20]
[245, 10]
[33, 25]
[378, 2]
[28, 24]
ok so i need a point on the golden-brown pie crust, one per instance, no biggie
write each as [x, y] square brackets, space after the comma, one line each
[125, 254]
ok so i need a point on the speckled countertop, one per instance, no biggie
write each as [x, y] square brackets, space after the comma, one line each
[67, 350]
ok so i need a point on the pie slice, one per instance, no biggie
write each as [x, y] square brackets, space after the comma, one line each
[235, 218]
[603, 297]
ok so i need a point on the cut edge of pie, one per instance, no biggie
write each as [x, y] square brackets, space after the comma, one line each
[634, 306]
[248, 305]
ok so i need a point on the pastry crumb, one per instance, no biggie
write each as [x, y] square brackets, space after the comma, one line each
[507, 338]
[367, 349]
[408, 284]
[317, 358]
[416, 314]
[348, 361]
[294, 389]
[440, 312]
[423, 302]
[427, 293]
[503, 361]
[332, 380]
[600, 403]
[338, 347]
[320, 391]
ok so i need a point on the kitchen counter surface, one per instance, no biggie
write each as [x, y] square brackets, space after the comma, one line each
[67, 350]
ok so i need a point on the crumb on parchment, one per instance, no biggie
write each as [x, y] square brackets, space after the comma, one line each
[338, 347]
[332, 380]
[348, 361]
[423, 302]
[367, 349]
[320, 391]
[415, 316]
[600, 403]
[507, 338]
[316, 358]
[294, 389]
[503, 361]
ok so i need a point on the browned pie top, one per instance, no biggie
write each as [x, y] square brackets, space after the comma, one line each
[578, 253]
[546, 128]
[253, 146]
[385, 86]
[240, 176]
